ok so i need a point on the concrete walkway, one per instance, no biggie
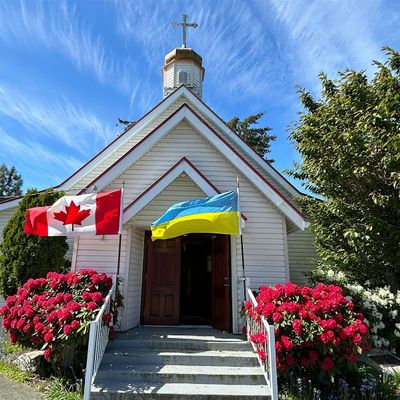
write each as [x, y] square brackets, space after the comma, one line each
[10, 390]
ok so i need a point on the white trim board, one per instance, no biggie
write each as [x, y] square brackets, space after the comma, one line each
[185, 113]
[162, 183]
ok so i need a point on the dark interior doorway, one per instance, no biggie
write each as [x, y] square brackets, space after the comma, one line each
[187, 280]
[196, 278]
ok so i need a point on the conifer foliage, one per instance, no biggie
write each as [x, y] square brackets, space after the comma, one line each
[10, 182]
[349, 141]
[25, 256]
[255, 136]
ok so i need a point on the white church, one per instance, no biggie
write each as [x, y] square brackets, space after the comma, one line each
[181, 150]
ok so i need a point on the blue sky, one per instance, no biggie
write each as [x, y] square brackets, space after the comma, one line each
[68, 70]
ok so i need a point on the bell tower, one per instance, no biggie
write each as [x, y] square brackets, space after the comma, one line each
[183, 66]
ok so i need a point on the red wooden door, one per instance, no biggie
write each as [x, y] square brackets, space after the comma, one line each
[162, 279]
[221, 283]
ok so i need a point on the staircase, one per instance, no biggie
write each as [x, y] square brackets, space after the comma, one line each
[179, 363]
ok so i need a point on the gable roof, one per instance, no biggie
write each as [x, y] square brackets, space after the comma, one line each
[133, 129]
[182, 166]
[185, 112]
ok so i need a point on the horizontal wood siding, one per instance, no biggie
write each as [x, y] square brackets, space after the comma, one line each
[5, 215]
[255, 165]
[181, 189]
[101, 254]
[132, 140]
[134, 289]
[70, 242]
[169, 76]
[263, 235]
[301, 253]
[128, 144]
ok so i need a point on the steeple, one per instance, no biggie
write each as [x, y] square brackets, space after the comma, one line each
[183, 65]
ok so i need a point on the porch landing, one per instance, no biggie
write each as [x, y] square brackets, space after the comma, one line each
[174, 363]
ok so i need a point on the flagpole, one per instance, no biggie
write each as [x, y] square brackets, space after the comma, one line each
[241, 245]
[119, 239]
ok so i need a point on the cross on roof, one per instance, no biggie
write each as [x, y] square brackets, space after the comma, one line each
[184, 25]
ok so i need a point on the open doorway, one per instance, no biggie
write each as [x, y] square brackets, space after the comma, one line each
[196, 279]
[187, 280]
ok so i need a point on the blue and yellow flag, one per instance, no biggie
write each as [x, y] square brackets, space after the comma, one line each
[216, 214]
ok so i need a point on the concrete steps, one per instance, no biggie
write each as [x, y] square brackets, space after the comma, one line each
[179, 363]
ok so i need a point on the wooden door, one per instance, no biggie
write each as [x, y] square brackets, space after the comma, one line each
[221, 283]
[161, 282]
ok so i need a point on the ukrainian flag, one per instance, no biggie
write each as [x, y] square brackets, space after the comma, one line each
[216, 214]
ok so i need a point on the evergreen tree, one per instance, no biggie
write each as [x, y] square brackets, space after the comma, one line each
[255, 136]
[25, 256]
[10, 182]
[349, 141]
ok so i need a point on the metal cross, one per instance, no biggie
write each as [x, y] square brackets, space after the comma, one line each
[184, 25]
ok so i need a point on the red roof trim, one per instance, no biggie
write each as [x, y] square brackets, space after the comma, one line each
[183, 159]
[246, 162]
[249, 147]
[117, 138]
[132, 148]
[216, 134]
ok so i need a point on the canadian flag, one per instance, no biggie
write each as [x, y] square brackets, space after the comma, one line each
[87, 214]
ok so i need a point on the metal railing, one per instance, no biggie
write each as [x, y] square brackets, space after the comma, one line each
[261, 326]
[98, 339]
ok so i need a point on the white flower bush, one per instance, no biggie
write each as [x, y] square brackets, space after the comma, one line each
[380, 307]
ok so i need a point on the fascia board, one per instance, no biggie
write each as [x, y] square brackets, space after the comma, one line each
[244, 147]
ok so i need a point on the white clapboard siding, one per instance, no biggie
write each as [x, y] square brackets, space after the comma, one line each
[259, 169]
[181, 189]
[101, 254]
[133, 292]
[68, 254]
[263, 235]
[134, 139]
[5, 215]
[301, 253]
[169, 76]
[128, 144]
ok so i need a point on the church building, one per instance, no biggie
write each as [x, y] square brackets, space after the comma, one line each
[181, 150]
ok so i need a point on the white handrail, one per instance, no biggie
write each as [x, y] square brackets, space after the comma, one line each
[261, 326]
[98, 339]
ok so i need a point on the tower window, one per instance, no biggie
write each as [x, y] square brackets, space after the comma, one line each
[182, 77]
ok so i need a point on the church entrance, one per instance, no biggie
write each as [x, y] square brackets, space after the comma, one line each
[186, 280]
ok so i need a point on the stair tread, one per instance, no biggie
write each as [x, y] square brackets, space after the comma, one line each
[189, 352]
[202, 334]
[176, 363]
[180, 369]
[183, 389]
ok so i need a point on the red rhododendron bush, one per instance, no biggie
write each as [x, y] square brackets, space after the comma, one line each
[54, 313]
[316, 328]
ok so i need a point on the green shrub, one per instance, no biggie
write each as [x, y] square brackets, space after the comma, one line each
[379, 305]
[25, 256]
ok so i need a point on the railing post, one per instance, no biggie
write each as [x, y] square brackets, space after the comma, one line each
[272, 363]
[247, 281]
[90, 361]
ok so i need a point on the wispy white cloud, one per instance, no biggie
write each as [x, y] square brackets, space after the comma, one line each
[329, 36]
[58, 27]
[234, 43]
[62, 122]
[41, 162]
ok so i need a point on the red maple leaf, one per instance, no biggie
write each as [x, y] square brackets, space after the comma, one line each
[73, 215]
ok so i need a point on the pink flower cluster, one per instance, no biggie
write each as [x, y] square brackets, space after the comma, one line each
[315, 328]
[46, 312]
